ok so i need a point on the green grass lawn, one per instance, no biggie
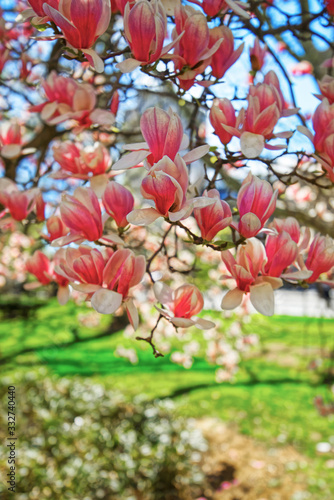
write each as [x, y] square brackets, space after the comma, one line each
[271, 398]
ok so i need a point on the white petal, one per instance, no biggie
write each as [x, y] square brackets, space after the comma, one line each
[98, 183]
[162, 292]
[297, 275]
[128, 65]
[196, 154]
[136, 146]
[182, 322]
[106, 301]
[305, 131]
[94, 60]
[204, 324]
[262, 298]
[143, 216]
[232, 299]
[238, 10]
[113, 238]
[131, 160]
[66, 240]
[251, 144]
[132, 313]
[11, 151]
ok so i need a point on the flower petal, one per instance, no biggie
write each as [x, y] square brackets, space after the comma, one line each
[232, 299]
[262, 298]
[106, 301]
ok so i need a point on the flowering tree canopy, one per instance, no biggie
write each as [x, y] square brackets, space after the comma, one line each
[146, 143]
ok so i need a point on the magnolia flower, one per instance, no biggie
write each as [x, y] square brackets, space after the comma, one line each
[257, 55]
[81, 213]
[323, 139]
[163, 133]
[256, 202]
[326, 86]
[192, 50]
[12, 141]
[166, 184]
[213, 218]
[320, 257]
[245, 270]
[69, 100]
[225, 56]
[82, 22]
[87, 163]
[43, 269]
[106, 277]
[145, 27]
[118, 202]
[183, 303]
[222, 116]
[18, 203]
[56, 228]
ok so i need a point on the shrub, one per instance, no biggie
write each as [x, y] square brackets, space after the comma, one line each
[78, 440]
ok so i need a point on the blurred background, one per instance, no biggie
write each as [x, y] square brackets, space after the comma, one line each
[98, 416]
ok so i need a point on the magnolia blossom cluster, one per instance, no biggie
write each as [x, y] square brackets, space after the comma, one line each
[323, 125]
[255, 125]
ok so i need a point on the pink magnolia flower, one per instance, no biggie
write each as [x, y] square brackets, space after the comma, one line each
[212, 7]
[18, 203]
[69, 100]
[245, 269]
[43, 269]
[323, 139]
[302, 68]
[40, 266]
[225, 56]
[323, 124]
[56, 228]
[183, 303]
[36, 13]
[281, 253]
[320, 258]
[326, 86]
[145, 27]
[163, 133]
[80, 162]
[118, 202]
[166, 184]
[289, 225]
[272, 80]
[256, 202]
[192, 49]
[12, 140]
[257, 55]
[222, 116]
[81, 213]
[213, 218]
[265, 107]
[82, 22]
[106, 277]
[87, 163]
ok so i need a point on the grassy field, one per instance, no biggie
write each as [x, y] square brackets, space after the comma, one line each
[271, 399]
